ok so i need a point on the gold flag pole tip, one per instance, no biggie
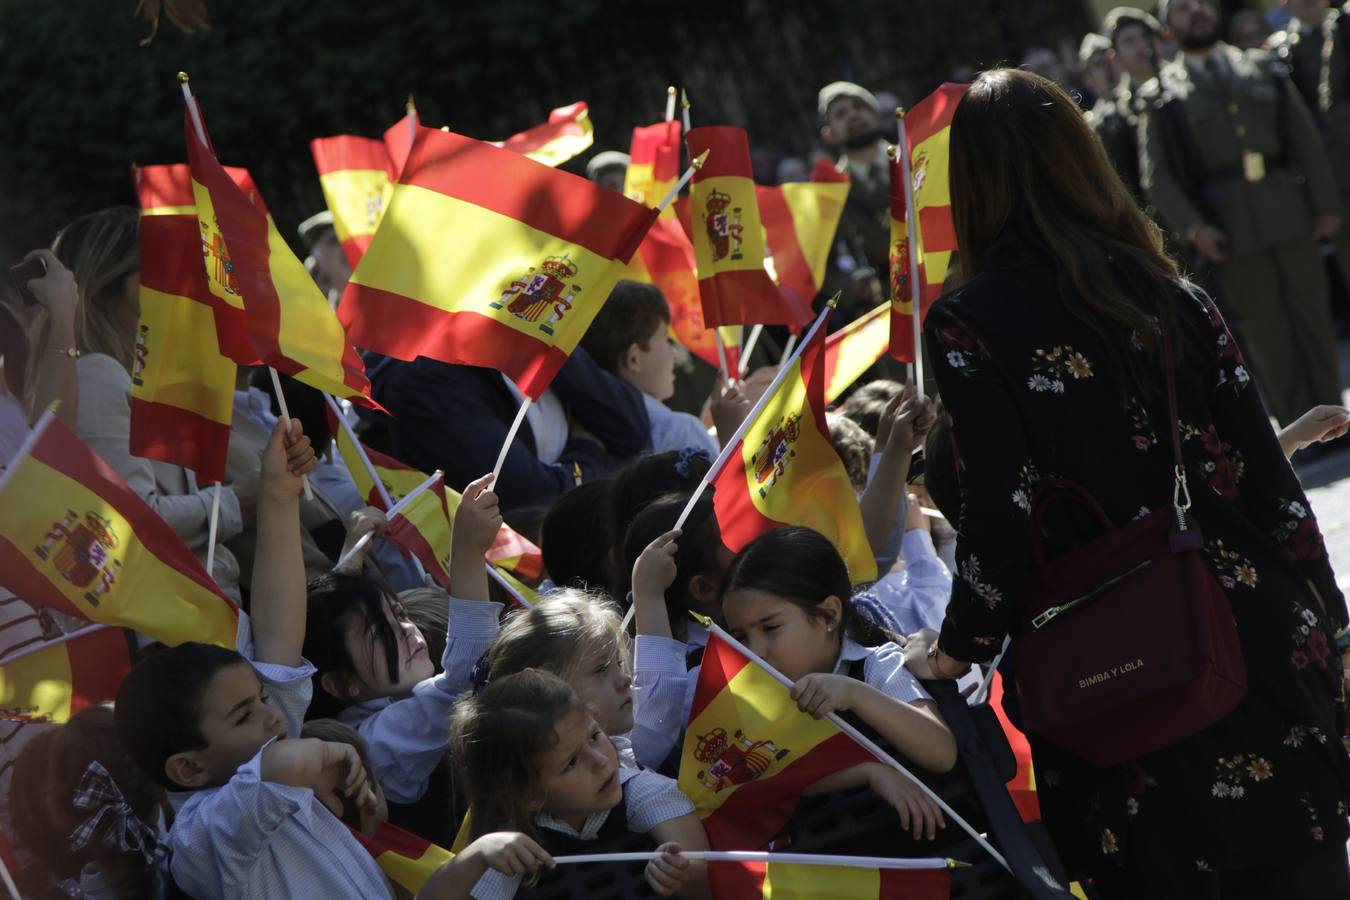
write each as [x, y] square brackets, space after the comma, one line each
[670, 91]
[899, 112]
[684, 99]
[697, 164]
[411, 107]
[183, 78]
[833, 302]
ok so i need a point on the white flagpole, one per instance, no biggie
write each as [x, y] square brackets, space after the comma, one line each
[722, 358]
[510, 437]
[981, 694]
[694, 166]
[787, 351]
[412, 124]
[370, 467]
[670, 103]
[35, 648]
[867, 744]
[794, 859]
[286, 423]
[9, 882]
[393, 511]
[506, 585]
[911, 229]
[211, 530]
[735, 440]
[749, 348]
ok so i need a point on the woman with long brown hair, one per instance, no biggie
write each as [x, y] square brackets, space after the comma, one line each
[1051, 362]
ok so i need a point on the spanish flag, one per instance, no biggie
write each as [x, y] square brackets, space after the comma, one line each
[855, 348]
[74, 537]
[728, 237]
[928, 140]
[653, 164]
[534, 254]
[795, 881]
[407, 859]
[357, 176]
[290, 323]
[567, 133]
[55, 680]
[398, 139]
[800, 219]
[1022, 788]
[424, 528]
[182, 385]
[785, 471]
[749, 752]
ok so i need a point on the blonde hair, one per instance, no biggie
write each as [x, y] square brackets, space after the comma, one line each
[558, 635]
[101, 250]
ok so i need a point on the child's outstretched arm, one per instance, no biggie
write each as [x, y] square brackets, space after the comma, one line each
[477, 522]
[278, 607]
[903, 423]
[1321, 423]
[508, 852]
[672, 873]
[919, 815]
[660, 672]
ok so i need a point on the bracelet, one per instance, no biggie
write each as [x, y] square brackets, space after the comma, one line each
[68, 351]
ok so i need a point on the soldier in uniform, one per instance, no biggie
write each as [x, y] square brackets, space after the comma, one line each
[1316, 49]
[1133, 50]
[851, 125]
[1232, 161]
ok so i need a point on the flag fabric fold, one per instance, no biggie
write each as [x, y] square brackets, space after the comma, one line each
[795, 881]
[928, 142]
[855, 348]
[749, 752]
[405, 858]
[289, 321]
[800, 219]
[728, 237]
[785, 471]
[534, 254]
[567, 133]
[52, 682]
[74, 537]
[182, 384]
[357, 176]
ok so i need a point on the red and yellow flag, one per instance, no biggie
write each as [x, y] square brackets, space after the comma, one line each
[795, 881]
[749, 752]
[534, 256]
[289, 321]
[74, 537]
[424, 528]
[800, 219]
[52, 682]
[786, 472]
[653, 164]
[1022, 788]
[182, 385]
[567, 133]
[357, 177]
[407, 859]
[398, 139]
[855, 348]
[728, 237]
[928, 140]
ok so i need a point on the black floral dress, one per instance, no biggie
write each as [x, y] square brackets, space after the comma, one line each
[1032, 394]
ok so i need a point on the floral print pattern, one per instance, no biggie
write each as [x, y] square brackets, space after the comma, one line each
[964, 348]
[970, 574]
[1144, 436]
[1299, 733]
[1297, 533]
[1027, 478]
[1223, 466]
[1310, 644]
[1232, 367]
[1050, 369]
[1235, 774]
[1231, 567]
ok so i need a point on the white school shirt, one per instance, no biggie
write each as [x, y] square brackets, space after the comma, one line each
[648, 798]
[672, 430]
[406, 738]
[547, 418]
[259, 839]
[916, 595]
[663, 692]
[884, 669]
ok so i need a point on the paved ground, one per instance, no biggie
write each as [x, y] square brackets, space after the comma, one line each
[1327, 481]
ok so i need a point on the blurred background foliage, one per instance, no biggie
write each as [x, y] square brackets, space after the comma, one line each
[82, 100]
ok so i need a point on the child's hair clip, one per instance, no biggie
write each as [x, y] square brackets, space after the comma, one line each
[688, 453]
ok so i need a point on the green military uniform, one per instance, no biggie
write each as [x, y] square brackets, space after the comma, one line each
[1318, 58]
[1227, 141]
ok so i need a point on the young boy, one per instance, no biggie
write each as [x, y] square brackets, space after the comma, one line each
[630, 338]
[256, 808]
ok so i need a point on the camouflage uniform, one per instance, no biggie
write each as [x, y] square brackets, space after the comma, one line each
[1226, 140]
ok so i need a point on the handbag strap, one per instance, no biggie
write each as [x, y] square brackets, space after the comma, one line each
[1181, 494]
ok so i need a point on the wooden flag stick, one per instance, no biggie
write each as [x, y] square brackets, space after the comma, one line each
[911, 229]
[670, 103]
[506, 585]
[286, 423]
[394, 510]
[211, 530]
[749, 348]
[867, 743]
[370, 468]
[510, 437]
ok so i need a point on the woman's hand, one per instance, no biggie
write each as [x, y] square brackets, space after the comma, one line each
[820, 694]
[919, 815]
[56, 291]
[668, 872]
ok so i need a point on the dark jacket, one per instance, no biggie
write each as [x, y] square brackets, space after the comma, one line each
[455, 418]
[1033, 393]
